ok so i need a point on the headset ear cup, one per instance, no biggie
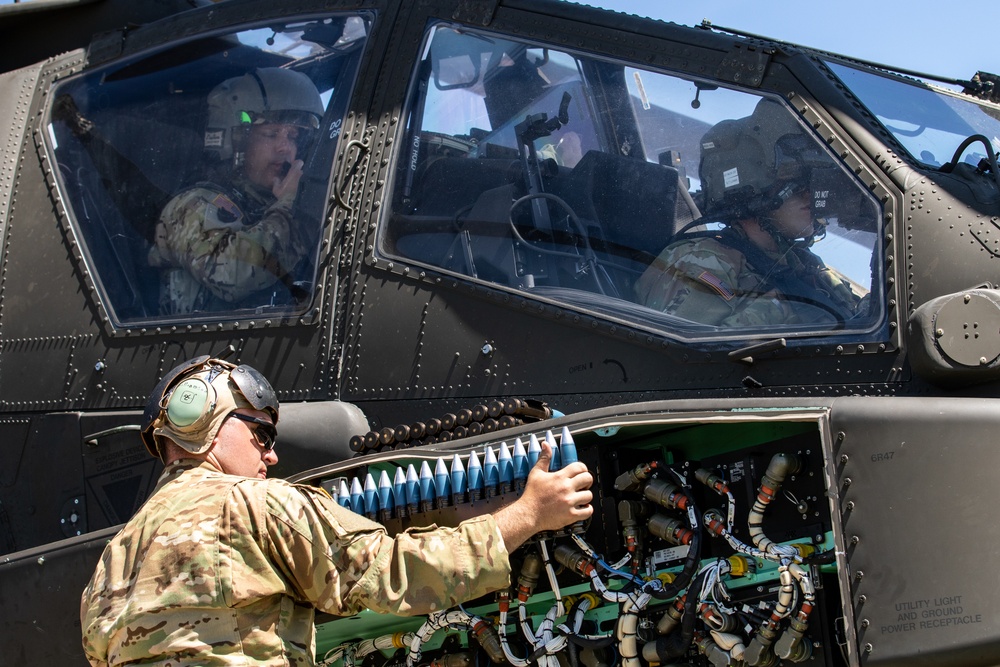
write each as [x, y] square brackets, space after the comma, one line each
[153, 411]
[189, 403]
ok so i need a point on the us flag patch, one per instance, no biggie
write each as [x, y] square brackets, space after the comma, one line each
[719, 287]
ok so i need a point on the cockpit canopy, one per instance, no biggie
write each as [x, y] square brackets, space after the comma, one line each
[130, 136]
[565, 178]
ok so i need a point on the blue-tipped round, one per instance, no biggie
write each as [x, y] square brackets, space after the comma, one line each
[506, 465]
[426, 480]
[399, 486]
[385, 500]
[491, 469]
[357, 497]
[567, 447]
[458, 477]
[370, 495]
[344, 495]
[442, 480]
[412, 488]
[520, 461]
[556, 462]
[534, 449]
[475, 476]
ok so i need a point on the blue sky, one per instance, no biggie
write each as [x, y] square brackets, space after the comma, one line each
[951, 39]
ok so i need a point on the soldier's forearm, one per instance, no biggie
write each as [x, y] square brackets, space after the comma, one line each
[516, 525]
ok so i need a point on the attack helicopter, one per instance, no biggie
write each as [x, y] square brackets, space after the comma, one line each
[496, 207]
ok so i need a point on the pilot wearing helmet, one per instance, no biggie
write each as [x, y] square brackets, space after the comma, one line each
[757, 175]
[223, 566]
[232, 241]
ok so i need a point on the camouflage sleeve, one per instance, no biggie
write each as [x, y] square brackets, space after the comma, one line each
[839, 289]
[760, 310]
[89, 650]
[697, 280]
[756, 308]
[203, 231]
[705, 281]
[342, 562]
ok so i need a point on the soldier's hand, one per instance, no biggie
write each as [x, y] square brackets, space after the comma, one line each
[288, 186]
[550, 501]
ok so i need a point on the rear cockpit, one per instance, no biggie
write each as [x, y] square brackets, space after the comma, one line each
[566, 178]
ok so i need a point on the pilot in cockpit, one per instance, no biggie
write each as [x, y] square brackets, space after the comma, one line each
[232, 241]
[758, 175]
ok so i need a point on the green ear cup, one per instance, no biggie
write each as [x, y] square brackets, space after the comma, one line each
[188, 402]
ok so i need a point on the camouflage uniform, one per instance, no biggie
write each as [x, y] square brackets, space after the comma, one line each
[225, 248]
[709, 281]
[216, 569]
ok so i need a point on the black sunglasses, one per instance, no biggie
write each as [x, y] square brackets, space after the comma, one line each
[265, 431]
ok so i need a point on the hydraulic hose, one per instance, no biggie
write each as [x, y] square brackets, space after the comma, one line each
[676, 644]
[781, 466]
[691, 562]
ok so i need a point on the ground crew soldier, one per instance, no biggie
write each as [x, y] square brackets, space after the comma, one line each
[232, 241]
[756, 175]
[224, 566]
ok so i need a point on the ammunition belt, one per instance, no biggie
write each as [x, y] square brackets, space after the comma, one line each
[495, 415]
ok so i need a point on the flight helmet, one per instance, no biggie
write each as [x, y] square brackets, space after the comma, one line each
[750, 166]
[265, 95]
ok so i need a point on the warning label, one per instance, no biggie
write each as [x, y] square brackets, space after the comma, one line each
[731, 177]
[930, 613]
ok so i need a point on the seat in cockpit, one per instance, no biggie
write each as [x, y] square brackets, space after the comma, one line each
[630, 201]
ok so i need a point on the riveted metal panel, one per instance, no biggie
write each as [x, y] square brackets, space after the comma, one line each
[42, 611]
[16, 91]
[917, 478]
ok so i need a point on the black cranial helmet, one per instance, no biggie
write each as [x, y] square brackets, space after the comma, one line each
[191, 401]
[265, 95]
[750, 166]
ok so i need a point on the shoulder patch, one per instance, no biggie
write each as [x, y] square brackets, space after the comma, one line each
[717, 285]
[226, 210]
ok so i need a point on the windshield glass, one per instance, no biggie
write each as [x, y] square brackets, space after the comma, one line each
[691, 207]
[929, 122]
[196, 176]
